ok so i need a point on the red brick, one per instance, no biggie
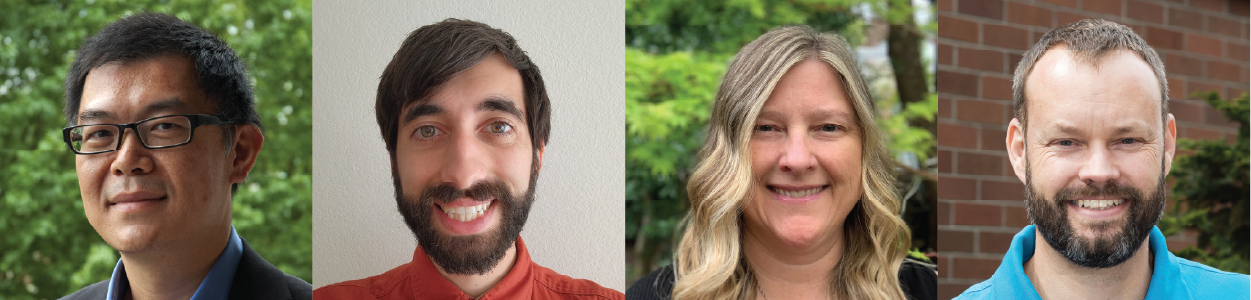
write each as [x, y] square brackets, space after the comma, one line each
[1213, 5]
[996, 88]
[1202, 88]
[951, 290]
[985, 60]
[943, 51]
[1013, 61]
[1201, 134]
[944, 213]
[958, 136]
[1211, 116]
[1224, 71]
[985, 9]
[1239, 8]
[944, 161]
[977, 214]
[1185, 18]
[959, 29]
[994, 242]
[956, 188]
[1176, 88]
[946, 5]
[992, 139]
[980, 164]
[974, 268]
[1112, 7]
[1225, 26]
[1065, 18]
[1185, 111]
[1236, 51]
[1145, 11]
[1027, 15]
[958, 241]
[944, 107]
[1005, 36]
[1002, 190]
[1069, 3]
[1202, 44]
[1160, 38]
[1235, 92]
[1183, 65]
[1015, 217]
[957, 83]
[980, 111]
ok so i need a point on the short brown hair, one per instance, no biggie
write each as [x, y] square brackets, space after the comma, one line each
[433, 54]
[1091, 40]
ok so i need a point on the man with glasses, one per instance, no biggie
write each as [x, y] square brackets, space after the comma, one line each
[162, 123]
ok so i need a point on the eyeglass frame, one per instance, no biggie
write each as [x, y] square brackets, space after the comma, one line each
[196, 120]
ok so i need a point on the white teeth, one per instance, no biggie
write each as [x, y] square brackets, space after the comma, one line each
[1098, 204]
[466, 213]
[797, 194]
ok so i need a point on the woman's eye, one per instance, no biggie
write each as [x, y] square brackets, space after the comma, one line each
[499, 127]
[829, 128]
[427, 131]
[766, 128]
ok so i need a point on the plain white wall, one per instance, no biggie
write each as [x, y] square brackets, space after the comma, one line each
[577, 224]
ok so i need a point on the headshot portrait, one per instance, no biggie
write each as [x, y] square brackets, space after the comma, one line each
[159, 184]
[1094, 151]
[795, 189]
[468, 154]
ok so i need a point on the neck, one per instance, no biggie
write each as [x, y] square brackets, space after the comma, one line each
[1056, 277]
[788, 273]
[477, 285]
[172, 273]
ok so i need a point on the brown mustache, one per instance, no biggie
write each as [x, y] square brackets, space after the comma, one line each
[1107, 190]
[481, 190]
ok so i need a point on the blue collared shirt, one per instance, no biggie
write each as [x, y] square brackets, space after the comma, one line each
[216, 286]
[1172, 278]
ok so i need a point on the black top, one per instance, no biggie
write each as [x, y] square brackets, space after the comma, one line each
[255, 278]
[918, 280]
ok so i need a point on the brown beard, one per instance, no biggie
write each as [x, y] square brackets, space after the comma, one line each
[1050, 216]
[472, 254]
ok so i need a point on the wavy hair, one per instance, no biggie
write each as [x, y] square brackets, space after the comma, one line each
[709, 261]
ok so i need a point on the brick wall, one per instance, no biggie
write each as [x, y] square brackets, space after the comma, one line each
[1202, 42]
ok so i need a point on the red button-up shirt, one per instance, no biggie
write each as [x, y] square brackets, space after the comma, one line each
[420, 280]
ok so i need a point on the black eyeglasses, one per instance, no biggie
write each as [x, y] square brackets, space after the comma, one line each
[154, 133]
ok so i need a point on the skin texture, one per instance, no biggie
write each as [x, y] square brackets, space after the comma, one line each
[805, 136]
[1116, 134]
[465, 144]
[170, 241]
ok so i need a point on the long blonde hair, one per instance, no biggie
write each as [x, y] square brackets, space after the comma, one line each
[709, 260]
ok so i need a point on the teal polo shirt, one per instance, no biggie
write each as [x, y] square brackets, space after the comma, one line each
[1173, 278]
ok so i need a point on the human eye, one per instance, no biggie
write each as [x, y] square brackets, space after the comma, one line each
[831, 128]
[499, 127]
[165, 126]
[766, 128]
[98, 133]
[1064, 143]
[426, 132]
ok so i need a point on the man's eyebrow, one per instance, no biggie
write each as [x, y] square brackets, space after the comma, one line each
[500, 103]
[93, 114]
[421, 110]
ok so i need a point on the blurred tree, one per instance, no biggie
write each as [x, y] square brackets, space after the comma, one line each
[677, 52]
[48, 249]
[1211, 190]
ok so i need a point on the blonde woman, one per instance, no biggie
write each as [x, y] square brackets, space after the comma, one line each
[793, 197]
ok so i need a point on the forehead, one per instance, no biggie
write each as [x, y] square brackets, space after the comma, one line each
[121, 89]
[809, 86]
[1120, 86]
[491, 79]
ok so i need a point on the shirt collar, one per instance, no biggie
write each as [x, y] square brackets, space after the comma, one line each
[430, 284]
[216, 286]
[1011, 273]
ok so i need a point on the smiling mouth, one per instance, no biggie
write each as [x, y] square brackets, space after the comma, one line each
[1097, 204]
[797, 193]
[465, 213]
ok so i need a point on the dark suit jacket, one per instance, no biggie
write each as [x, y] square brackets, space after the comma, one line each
[255, 278]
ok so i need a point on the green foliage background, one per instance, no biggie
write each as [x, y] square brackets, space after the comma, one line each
[677, 51]
[1210, 186]
[47, 248]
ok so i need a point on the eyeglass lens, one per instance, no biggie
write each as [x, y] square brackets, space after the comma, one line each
[158, 132]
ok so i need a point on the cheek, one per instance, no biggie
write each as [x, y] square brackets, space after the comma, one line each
[514, 165]
[764, 158]
[414, 171]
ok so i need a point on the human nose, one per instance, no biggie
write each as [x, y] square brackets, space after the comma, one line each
[466, 161]
[798, 157]
[1099, 168]
[132, 158]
